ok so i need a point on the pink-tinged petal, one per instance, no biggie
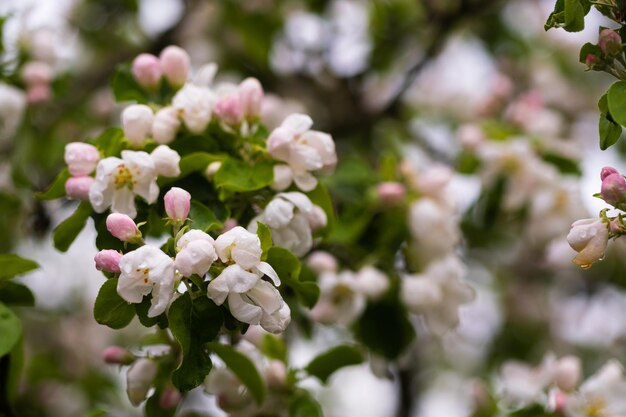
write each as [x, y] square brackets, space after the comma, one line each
[305, 181]
[270, 272]
[297, 123]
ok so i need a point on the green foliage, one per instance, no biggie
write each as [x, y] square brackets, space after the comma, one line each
[203, 217]
[265, 236]
[125, 87]
[239, 176]
[12, 265]
[110, 142]
[57, 188]
[609, 132]
[193, 162]
[14, 294]
[244, 368]
[616, 100]
[153, 408]
[273, 347]
[287, 266]
[325, 364]
[65, 233]
[110, 309]
[563, 164]
[302, 405]
[321, 197]
[193, 323]
[569, 15]
[142, 314]
[10, 329]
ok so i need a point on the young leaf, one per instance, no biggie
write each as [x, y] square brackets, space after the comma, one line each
[12, 265]
[110, 309]
[287, 266]
[239, 176]
[273, 347]
[110, 142]
[617, 102]
[609, 131]
[125, 87]
[193, 324]
[243, 367]
[10, 329]
[66, 232]
[203, 217]
[325, 364]
[302, 405]
[265, 235]
[321, 197]
[57, 188]
[14, 294]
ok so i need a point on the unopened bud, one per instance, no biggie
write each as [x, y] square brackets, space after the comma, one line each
[137, 123]
[170, 398]
[165, 125]
[177, 205]
[613, 189]
[212, 169]
[567, 373]
[391, 193]
[617, 227]
[591, 60]
[229, 110]
[38, 93]
[275, 374]
[606, 171]
[116, 355]
[108, 260]
[610, 42]
[175, 65]
[81, 158]
[77, 188]
[251, 97]
[139, 380]
[317, 218]
[320, 261]
[147, 70]
[123, 227]
[37, 72]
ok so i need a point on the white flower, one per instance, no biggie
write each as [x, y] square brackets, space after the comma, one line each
[520, 385]
[165, 125]
[147, 270]
[291, 218]
[196, 253]
[304, 150]
[588, 237]
[12, 106]
[602, 395]
[433, 227]
[340, 299]
[437, 293]
[166, 161]
[139, 379]
[371, 282]
[196, 105]
[119, 180]
[243, 248]
[137, 123]
[283, 177]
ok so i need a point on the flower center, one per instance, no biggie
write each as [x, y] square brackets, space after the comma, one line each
[124, 178]
[596, 408]
[340, 293]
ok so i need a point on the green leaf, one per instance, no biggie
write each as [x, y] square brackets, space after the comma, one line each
[203, 217]
[125, 87]
[57, 188]
[321, 197]
[609, 131]
[589, 49]
[563, 164]
[193, 324]
[14, 294]
[273, 347]
[110, 142]
[193, 162]
[66, 232]
[238, 176]
[265, 235]
[325, 364]
[302, 405]
[153, 408]
[287, 266]
[110, 309]
[616, 97]
[142, 308]
[10, 329]
[244, 368]
[384, 328]
[574, 16]
[12, 265]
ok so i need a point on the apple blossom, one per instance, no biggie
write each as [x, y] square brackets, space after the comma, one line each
[137, 123]
[251, 97]
[610, 42]
[567, 372]
[166, 161]
[340, 299]
[321, 261]
[196, 253]
[613, 188]
[391, 193]
[37, 73]
[81, 158]
[195, 105]
[77, 188]
[177, 205]
[283, 177]
[588, 237]
[602, 394]
[139, 379]
[119, 180]
[147, 70]
[243, 248]
[117, 356]
[108, 260]
[304, 150]
[229, 109]
[12, 105]
[165, 125]
[147, 270]
[372, 282]
[170, 398]
[175, 64]
[123, 227]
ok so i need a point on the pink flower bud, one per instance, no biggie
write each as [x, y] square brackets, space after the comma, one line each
[275, 374]
[610, 42]
[320, 261]
[606, 171]
[251, 97]
[175, 64]
[36, 72]
[617, 227]
[177, 204]
[230, 224]
[137, 123]
[613, 189]
[170, 398]
[567, 373]
[229, 110]
[147, 70]
[116, 355]
[391, 193]
[591, 60]
[77, 188]
[38, 93]
[81, 158]
[123, 227]
[108, 260]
